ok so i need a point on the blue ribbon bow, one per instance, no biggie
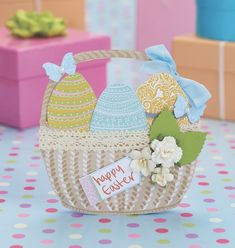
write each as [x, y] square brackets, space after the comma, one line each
[198, 95]
[55, 72]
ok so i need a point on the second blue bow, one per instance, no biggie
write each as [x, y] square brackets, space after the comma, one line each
[162, 62]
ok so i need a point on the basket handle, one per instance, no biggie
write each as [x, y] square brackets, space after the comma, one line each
[87, 56]
[105, 54]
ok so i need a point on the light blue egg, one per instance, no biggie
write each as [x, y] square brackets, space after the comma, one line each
[118, 109]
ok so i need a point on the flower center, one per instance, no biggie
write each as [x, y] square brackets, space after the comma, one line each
[166, 152]
[143, 162]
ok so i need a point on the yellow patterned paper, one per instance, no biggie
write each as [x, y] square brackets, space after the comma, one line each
[71, 104]
[158, 92]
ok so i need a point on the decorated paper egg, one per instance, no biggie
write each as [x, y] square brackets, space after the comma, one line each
[71, 104]
[158, 92]
[118, 109]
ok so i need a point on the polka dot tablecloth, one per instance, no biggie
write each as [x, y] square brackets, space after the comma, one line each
[31, 215]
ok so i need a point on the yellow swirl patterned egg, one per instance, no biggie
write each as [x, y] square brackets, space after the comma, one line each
[71, 104]
[158, 92]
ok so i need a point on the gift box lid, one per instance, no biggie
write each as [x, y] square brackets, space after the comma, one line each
[23, 58]
[194, 52]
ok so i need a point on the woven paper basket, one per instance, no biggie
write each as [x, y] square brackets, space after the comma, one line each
[70, 155]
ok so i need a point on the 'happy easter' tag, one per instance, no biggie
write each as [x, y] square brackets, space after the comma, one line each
[110, 180]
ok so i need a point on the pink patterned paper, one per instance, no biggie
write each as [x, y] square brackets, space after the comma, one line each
[89, 189]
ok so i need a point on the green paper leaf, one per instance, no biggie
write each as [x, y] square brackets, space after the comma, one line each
[164, 125]
[191, 143]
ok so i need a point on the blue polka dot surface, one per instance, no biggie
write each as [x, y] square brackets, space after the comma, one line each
[32, 216]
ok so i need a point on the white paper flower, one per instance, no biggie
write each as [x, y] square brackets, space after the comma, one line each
[154, 144]
[166, 152]
[162, 176]
[142, 161]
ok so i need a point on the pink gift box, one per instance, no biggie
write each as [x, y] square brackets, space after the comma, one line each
[23, 80]
[158, 21]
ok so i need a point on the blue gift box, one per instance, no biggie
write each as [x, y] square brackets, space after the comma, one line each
[216, 19]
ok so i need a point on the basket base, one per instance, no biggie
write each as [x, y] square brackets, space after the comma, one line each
[149, 211]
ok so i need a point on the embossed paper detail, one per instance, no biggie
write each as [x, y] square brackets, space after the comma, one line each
[160, 91]
[110, 180]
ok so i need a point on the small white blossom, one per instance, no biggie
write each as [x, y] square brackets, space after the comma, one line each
[162, 176]
[166, 152]
[142, 161]
[154, 144]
